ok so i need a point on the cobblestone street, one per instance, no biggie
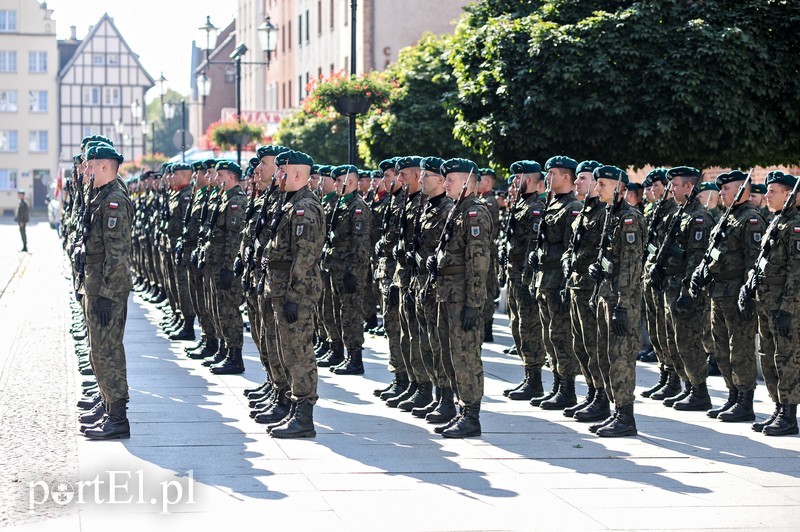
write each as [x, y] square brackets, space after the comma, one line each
[195, 459]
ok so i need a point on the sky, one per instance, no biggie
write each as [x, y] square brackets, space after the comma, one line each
[160, 31]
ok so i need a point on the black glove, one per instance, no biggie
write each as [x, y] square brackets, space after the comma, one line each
[699, 279]
[102, 307]
[782, 321]
[379, 247]
[683, 304]
[430, 263]
[290, 311]
[596, 273]
[469, 317]
[619, 321]
[238, 266]
[350, 283]
[410, 305]
[533, 261]
[566, 267]
[746, 304]
[225, 279]
[394, 296]
[410, 259]
[397, 253]
[655, 276]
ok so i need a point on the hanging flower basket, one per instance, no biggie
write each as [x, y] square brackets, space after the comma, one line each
[348, 94]
[352, 105]
[227, 135]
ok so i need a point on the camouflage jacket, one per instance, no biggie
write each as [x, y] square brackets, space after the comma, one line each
[464, 263]
[589, 229]
[350, 247]
[226, 235]
[196, 219]
[179, 203]
[688, 246]
[622, 257]
[555, 237]
[660, 232]
[294, 252]
[108, 244]
[405, 234]
[389, 237]
[494, 210]
[780, 283]
[434, 216]
[526, 215]
[737, 250]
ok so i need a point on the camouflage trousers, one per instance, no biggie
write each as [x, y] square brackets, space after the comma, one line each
[461, 353]
[429, 345]
[106, 348]
[333, 329]
[295, 350]
[348, 310]
[492, 291]
[685, 344]
[656, 327]
[410, 339]
[780, 358]
[584, 336]
[184, 299]
[735, 344]
[256, 327]
[225, 310]
[197, 295]
[372, 296]
[278, 373]
[525, 324]
[616, 355]
[391, 324]
[557, 332]
[171, 277]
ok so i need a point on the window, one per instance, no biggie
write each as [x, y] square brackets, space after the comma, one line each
[283, 95]
[230, 74]
[91, 96]
[37, 61]
[308, 16]
[38, 141]
[308, 79]
[289, 31]
[98, 59]
[9, 140]
[88, 131]
[332, 10]
[110, 95]
[319, 17]
[290, 93]
[299, 89]
[8, 101]
[8, 20]
[37, 101]
[8, 61]
[8, 179]
[346, 13]
[300, 30]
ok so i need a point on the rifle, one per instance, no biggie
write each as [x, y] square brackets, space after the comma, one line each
[272, 229]
[371, 193]
[185, 229]
[332, 225]
[503, 258]
[656, 277]
[605, 240]
[717, 234]
[574, 244]
[238, 262]
[655, 220]
[80, 251]
[387, 218]
[447, 234]
[532, 257]
[248, 257]
[416, 235]
[401, 219]
[207, 229]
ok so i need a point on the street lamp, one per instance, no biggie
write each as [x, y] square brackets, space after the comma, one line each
[352, 140]
[136, 114]
[144, 137]
[161, 88]
[236, 55]
[208, 28]
[169, 111]
[204, 86]
[267, 35]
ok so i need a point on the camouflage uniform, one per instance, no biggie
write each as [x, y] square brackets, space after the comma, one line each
[384, 275]
[180, 202]
[326, 307]
[492, 287]
[196, 288]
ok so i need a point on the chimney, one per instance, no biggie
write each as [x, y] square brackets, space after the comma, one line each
[73, 33]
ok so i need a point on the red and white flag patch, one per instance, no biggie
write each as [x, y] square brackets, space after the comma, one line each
[797, 229]
[575, 213]
[753, 221]
[628, 221]
[113, 205]
[359, 211]
[698, 220]
[300, 212]
[472, 214]
[234, 207]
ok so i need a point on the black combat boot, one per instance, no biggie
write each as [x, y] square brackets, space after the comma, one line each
[322, 349]
[589, 399]
[607, 421]
[94, 415]
[598, 410]
[218, 357]
[564, 398]
[519, 385]
[742, 410]
[623, 424]
[232, 365]
[196, 347]
[670, 389]
[286, 418]
[487, 332]
[115, 425]
[393, 402]
[698, 400]
[422, 411]
[759, 426]
[451, 423]
[536, 401]
[263, 403]
[733, 396]
[334, 356]
[785, 424]
[468, 425]
[259, 392]
[208, 350]
[686, 392]
[186, 332]
[531, 386]
[398, 386]
[354, 365]
[445, 410]
[278, 410]
[89, 402]
[420, 398]
[300, 425]
[370, 323]
[662, 380]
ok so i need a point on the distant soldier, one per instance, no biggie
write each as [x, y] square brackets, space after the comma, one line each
[486, 193]
[22, 218]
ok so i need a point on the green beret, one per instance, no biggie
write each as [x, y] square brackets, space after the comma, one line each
[758, 188]
[432, 164]
[95, 138]
[325, 170]
[781, 178]
[656, 174]
[315, 168]
[270, 149]
[364, 174]
[587, 166]
[730, 177]
[457, 165]
[682, 171]
[197, 165]
[611, 172]
[253, 162]
[77, 158]
[294, 157]
[208, 164]
[104, 152]
[95, 143]
[525, 167]
[411, 161]
[181, 166]
[561, 161]
[231, 166]
[488, 172]
[343, 170]
[708, 185]
[376, 174]
[147, 175]
[387, 164]
[165, 167]
[633, 186]
[248, 172]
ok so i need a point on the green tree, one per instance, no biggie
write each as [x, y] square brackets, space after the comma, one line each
[705, 82]
[164, 129]
[323, 137]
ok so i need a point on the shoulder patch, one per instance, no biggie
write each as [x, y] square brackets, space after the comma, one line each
[628, 221]
[699, 220]
[113, 205]
[575, 213]
[475, 231]
[234, 207]
[300, 212]
[359, 211]
[797, 229]
[754, 220]
[472, 214]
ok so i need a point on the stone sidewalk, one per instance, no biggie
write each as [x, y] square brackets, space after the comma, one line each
[196, 459]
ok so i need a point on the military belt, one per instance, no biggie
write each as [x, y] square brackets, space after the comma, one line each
[729, 276]
[773, 279]
[451, 270]
[283, 266]
[94, 258]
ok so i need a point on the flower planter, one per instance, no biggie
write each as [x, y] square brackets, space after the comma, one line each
[352, 105]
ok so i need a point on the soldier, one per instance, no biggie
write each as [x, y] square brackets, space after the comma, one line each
[291, 259]
[633, 195]
[735, 246]
[757, 192]
[22, 218]
[486, 193]
[617, 275]
[525, 215]
[774, 281]
[106, 287]
[554, 237]
[347, 261]
[180, 205]
[679, 254]
[331, 352]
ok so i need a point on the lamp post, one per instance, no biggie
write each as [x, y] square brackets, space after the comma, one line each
[161, 88]
[136, 114]
[236, 55]
[144, 137]
[351, 143]
[169, 113]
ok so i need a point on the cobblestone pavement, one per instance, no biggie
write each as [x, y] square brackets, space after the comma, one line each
[195, 458]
